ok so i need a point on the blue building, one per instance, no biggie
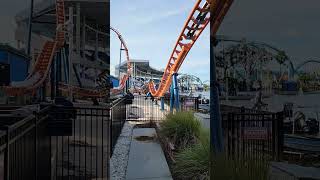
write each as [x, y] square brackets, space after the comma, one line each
[114, 80]
[18, 61]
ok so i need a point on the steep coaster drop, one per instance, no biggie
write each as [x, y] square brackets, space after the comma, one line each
[41, 69]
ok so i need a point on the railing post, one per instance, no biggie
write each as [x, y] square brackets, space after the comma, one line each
[280, 137]
[111, 136]
[35, 145]
[7, 156]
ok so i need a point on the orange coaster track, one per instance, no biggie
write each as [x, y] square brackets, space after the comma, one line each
[124, 79]
[195, 24]
[44, 60]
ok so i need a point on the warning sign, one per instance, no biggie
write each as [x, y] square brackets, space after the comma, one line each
[189, 102]
[255, 133]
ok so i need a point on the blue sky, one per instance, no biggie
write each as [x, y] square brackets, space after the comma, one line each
[151, 28]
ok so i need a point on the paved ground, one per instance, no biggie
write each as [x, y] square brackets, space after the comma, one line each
[120, 156]
[146, 158]
[204, 119]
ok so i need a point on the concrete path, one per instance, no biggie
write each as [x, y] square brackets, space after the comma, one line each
[204, 119]
[146, 158]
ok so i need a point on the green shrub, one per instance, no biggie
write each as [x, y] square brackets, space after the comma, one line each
[232, 169]
[182, 129]
[193, 163]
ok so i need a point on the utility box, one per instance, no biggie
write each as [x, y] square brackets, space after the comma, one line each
[285, 171]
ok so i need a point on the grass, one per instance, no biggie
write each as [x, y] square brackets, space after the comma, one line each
[193, 162]
[181, 128]
[237, 169]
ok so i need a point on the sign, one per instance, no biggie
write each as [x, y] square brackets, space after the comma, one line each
[189, 102]
[255, 133]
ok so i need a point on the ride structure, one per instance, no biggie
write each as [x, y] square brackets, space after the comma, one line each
[41, 69]
[75, 55]
[126, 76]
[195, 24]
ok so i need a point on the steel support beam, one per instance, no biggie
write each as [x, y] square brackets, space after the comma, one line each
[30, 28]
[176, 91]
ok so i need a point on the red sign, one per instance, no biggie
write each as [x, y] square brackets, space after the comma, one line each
[189, 102]
[255, 133]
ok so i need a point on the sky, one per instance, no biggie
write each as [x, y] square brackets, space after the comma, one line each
[290, 25]
[151, 29]
[8, 10]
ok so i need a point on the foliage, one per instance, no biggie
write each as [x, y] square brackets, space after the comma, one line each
[182, 129]
[238, 169]
[281, 57]
[193, 163]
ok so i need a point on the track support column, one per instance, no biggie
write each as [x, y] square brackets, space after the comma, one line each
[176, 91]
[162, 103]
[171, 98]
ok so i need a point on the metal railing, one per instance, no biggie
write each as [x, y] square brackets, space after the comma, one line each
[22, 147]
[256, 136]
[57, 142]
[118, 118]
[144, 108]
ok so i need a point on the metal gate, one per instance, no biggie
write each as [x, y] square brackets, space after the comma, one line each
[56, 142]
[256, 136]
[81, 148]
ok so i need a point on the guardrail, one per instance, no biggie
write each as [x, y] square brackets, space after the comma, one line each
[56, 142]
[118, 118]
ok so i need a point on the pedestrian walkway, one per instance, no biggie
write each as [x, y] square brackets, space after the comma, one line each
[146, 158]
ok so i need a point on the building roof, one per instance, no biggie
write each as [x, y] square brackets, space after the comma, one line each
[141, 65]
[8, 48]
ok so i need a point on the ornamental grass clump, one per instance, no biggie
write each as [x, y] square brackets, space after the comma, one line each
[182, 129]
[194, 162]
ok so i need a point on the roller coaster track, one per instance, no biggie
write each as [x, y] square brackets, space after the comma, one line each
[126, 76]
[195, 24]
[129, 68]
[42, 66]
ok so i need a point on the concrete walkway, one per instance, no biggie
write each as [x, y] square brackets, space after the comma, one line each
[204, 119]
[146, 158]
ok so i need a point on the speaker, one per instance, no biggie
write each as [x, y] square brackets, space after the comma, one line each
[4, 74]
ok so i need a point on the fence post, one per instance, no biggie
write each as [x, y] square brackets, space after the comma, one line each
[35, 145]
[197, 103]
[280, 138]
[110, 132]
[7, 156]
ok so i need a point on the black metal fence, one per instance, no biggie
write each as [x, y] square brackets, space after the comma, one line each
[144, 108]
[56, 143]
[80, 142]
[118, 118]
[254, 136]
[24, 152]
